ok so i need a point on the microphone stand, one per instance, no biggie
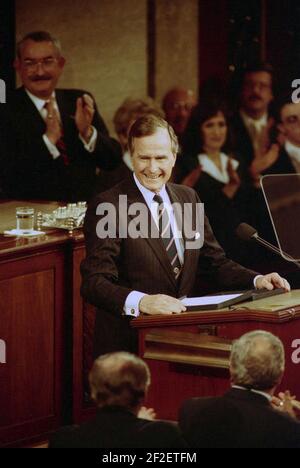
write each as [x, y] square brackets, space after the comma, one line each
[272, 247]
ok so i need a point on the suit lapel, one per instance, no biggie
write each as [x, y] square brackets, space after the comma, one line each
[32, 117]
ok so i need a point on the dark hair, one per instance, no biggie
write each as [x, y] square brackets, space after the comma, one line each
[38, 36]
[256, 67]
[285, 98]
[192, 143]
[147, 126]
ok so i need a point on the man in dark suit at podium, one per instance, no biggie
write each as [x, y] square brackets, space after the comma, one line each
[129, 270]
[245, 417]
[56, 139]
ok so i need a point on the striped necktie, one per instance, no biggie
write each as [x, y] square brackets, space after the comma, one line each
[167, 236]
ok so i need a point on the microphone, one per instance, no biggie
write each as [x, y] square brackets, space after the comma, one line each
[248, 233]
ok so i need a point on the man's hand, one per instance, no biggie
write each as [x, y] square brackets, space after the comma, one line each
[85, 111]
[261, 162]
[161, 304]
[53, 126]
[287, 403]
[146, 413]
[271, 281]
[234, 183]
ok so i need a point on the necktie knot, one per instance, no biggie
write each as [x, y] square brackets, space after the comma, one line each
[158, 199]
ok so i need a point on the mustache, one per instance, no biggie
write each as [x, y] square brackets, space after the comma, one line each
[41, 78]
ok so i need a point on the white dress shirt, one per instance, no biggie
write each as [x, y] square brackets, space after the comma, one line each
[259, 392]
[294, 153]
[259, 124]
[132, 301]
[255, 128]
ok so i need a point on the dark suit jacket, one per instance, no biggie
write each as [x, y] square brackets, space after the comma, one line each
[238, 419]
[117, 428]
[114, 268]
[242, 144]
[283, 165]
[31, 171]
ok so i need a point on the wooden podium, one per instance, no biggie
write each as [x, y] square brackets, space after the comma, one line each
[188, 354]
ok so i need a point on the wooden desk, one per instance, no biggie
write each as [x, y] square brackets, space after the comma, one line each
[188, 354]
[39, 286]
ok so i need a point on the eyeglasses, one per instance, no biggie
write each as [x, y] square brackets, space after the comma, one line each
[46, 63]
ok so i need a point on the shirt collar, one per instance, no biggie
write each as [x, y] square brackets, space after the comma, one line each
[292, 150]
[258, 123]
[148, 194]
[210, 168]
[39, 103]
[264, 394]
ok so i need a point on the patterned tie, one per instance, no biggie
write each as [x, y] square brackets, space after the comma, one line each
[60, 144]
[166, 235]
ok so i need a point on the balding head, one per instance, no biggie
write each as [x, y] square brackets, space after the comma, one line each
[119, 379]
[257, 361]
[178, 104]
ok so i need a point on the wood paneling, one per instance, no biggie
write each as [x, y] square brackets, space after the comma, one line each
[34, 310]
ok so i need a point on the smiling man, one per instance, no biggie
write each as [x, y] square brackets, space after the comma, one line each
[125, 276]
[56, 139]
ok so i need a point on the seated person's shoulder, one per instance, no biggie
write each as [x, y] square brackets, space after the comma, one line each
[66, 437]
[161, 434]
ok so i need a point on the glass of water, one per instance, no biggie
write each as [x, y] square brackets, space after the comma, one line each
[25, 219]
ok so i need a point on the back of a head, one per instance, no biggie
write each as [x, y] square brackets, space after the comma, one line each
[119, 379]
[257, 361]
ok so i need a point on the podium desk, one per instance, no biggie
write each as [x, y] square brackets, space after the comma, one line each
[39, 293]
[188, 354]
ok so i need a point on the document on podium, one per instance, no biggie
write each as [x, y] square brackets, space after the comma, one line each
[223, 300]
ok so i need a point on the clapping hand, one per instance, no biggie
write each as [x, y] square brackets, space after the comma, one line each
[53, 125]
[85, 111]
[234, 183]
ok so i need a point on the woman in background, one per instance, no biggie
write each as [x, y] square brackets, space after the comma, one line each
[214, 174]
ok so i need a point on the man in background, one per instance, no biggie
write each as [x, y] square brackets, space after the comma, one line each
[56, 139]
[245, 416]
[178, 104]
[119, 384]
